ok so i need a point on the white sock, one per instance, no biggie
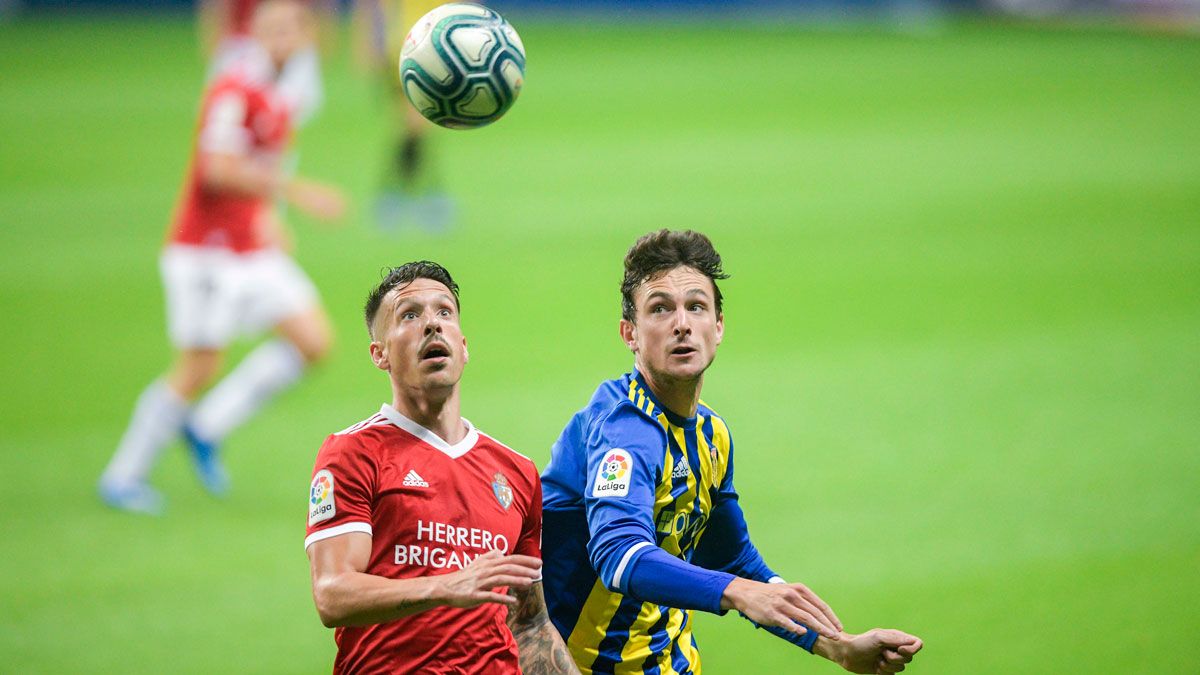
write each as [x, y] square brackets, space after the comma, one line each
[157, 417]
[263, 373]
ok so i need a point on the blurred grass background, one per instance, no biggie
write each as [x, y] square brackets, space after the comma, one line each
[962, 360]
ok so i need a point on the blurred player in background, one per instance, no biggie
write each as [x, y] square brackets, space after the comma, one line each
[642, 522]
[418, 521]
[225, 271]
[225, 34]
[410, 190]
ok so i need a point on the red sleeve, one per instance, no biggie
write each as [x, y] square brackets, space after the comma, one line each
[342, 489]
[223, 122]
[530, 542]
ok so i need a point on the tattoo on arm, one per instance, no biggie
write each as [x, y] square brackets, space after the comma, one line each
[539, 646]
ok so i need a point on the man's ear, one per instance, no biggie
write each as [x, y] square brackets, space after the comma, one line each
[628, 331]
[720, 327]
[379, 355]
[466, 353]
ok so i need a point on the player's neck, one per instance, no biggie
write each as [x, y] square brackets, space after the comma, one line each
[439, 414]
[679, 396]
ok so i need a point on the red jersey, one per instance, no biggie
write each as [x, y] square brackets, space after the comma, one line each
[243, 115]
[430, 508]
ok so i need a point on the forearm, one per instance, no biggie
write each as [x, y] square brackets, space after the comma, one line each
[828, 649]
[661, 578]
[241, 176]
[540, 648]
[358, 599]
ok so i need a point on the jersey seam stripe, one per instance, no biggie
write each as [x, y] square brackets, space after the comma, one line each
[501, 444]
[625, 561]
[373, 420]
[336, 531]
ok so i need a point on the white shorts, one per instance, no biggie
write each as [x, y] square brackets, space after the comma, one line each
[215, 295]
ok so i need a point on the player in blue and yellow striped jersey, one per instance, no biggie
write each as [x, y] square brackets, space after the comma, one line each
[641, 522]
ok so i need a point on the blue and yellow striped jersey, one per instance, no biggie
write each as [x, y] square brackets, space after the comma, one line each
[627, 475]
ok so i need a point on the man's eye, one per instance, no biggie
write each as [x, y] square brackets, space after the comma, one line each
[697, 308]
[444, 312]
[408, 316]
[657, 309]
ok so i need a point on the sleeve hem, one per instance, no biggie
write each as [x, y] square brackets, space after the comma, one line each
[336, 531]
[625, 561]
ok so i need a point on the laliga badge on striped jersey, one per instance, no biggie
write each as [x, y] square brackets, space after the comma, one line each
[320, 498]
[502, 490]
[612, 480]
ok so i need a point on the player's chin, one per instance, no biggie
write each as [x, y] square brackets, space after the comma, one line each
[441, 378]
[686, 368]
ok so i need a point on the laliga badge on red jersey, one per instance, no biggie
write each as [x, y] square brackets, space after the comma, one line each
[320, 498]
[502, 490]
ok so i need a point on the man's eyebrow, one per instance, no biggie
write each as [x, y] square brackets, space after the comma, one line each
[412, 300]
[667, 296]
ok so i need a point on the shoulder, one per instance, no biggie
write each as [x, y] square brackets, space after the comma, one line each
[506, 453]
[359, 440]
[614, 411]
[709, 413]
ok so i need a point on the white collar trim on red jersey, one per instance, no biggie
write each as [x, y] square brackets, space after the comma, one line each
[453, 451]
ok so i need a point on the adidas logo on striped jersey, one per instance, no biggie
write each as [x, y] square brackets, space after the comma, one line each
[682, 469]
[411, 479]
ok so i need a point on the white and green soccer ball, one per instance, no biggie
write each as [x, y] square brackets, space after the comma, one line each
[462, 66]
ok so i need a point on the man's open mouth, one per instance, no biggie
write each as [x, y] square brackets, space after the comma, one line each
[683, 350]
[435, 351]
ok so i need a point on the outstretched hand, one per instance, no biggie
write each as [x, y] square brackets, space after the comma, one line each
[318, 200]
[792, 607]
[483, 580]
[879, 650]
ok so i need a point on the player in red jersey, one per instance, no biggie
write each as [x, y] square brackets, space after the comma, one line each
[225, 272]
[226, 34]
[418, 522]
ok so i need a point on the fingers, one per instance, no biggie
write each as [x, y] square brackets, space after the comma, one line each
[898, 640]
[895, 658]
[897, 651]
[820, 604]
[498, 598]
[813, 620]
[812, 615]
[525, 561]
[497, 557]
[494, 569]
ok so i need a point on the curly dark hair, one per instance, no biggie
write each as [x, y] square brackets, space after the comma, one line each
[665, 250]
[402, 276]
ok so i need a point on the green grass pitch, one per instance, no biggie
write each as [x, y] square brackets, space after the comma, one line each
[961, 364]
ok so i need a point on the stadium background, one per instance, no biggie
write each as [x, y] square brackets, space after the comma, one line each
[961, 361]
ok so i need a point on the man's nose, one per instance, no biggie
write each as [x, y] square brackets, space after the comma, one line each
[433, 324]
[682, 325]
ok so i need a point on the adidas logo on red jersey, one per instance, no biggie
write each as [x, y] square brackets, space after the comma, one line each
[413, 480]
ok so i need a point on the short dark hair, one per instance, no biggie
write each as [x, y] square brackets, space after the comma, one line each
[404, 275]
[665, 250]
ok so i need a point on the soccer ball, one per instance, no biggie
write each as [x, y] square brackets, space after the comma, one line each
[462, 66]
